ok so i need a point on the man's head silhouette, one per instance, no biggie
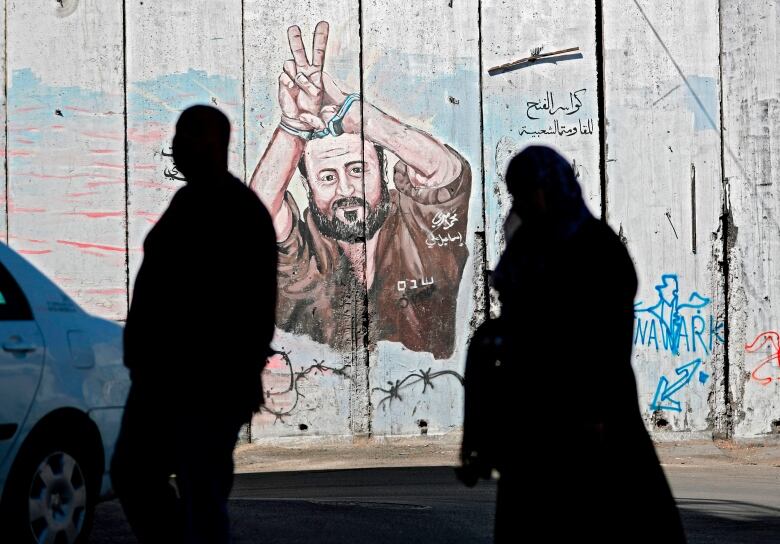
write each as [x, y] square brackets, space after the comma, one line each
[200, 146]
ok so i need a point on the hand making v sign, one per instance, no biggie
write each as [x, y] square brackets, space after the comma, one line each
[300, 83]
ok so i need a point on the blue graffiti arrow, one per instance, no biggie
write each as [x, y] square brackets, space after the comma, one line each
[664, 391]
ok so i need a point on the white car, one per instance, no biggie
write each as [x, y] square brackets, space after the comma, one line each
[62, 391]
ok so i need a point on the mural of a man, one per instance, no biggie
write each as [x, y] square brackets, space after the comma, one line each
[403, 247]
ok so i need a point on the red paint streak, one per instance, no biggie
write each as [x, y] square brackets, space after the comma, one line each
[150, 217]
[28, 108]
[44, 176]
[24, 141]
[93, 253]
[109, 165]
[773, 339]
[103, 151]
[97, 215]
[33, 240]
[78, 195]
[105, 291]
[20, 153]
[74, 108]
[145, 167]
[14, 209]
[16, 128]
[33, 251]
[103, 176]
[68, 177]
[155, 185]
[86, 245]
[96, 184]
[58, 127]
[103, 135]
[151, 135]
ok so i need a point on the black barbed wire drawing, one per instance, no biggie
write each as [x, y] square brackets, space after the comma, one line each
[427, 377]
[295, 377]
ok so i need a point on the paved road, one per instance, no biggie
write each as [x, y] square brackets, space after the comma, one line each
[724, 504]
[409, 505]
[728, 503]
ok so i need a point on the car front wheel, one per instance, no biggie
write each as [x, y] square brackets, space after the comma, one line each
[51, 494]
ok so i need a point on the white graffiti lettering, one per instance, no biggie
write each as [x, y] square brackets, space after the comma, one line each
[412, 283]
[444, 220]
[441, 241]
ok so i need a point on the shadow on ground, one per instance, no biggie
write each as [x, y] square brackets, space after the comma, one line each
[716, 521]
[413, 505]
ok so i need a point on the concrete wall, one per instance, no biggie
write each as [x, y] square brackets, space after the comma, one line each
[664, 196]
[669, 111]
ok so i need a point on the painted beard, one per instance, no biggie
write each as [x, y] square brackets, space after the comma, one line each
[353, 229]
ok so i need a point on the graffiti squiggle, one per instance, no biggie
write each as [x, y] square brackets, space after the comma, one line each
[773, 339]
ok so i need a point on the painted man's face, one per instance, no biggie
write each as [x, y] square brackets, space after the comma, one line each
[348, 198]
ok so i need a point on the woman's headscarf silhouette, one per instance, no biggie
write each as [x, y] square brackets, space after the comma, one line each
[539, 170]
[558, 358]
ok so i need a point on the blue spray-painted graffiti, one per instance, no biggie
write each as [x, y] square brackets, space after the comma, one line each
[663, 393]
[673, 321]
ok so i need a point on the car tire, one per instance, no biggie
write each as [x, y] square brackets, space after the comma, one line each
[51, 492]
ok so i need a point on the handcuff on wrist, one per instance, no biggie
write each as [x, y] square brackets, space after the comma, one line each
[335, 126]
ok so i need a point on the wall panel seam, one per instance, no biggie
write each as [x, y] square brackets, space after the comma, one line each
[725, 225]
[5, 107]
[126, 155]
[365, 317]
[600, 80]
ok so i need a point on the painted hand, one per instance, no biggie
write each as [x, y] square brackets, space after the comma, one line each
[300, 83]
[332, 99]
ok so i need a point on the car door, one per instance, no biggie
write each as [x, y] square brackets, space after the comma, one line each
[21, 360]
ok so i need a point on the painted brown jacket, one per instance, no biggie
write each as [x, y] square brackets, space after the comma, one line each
[420, 258]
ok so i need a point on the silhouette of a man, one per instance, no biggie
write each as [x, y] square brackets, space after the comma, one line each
[197, 335]
[590, 472]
